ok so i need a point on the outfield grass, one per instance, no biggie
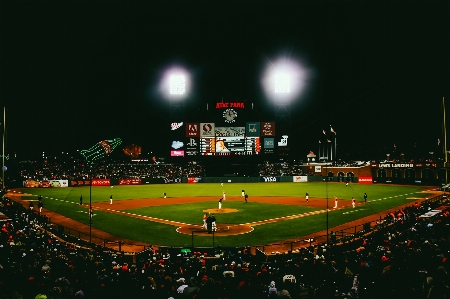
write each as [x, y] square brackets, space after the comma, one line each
[64, 201]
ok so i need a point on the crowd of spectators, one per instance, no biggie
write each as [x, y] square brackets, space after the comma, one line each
[405, 257]
[79, 170]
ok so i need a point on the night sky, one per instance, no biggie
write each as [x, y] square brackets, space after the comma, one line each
[76, 72]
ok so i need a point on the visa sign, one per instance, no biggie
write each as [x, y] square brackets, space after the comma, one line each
[268, 179]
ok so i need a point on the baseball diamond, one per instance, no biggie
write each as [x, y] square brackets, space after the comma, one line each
[267, 219]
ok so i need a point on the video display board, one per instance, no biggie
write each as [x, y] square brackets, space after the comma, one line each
[214, 139]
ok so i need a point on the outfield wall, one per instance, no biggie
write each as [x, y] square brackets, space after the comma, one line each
[238, 179]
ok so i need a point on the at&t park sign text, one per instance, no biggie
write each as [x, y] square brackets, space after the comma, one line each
[220, 105]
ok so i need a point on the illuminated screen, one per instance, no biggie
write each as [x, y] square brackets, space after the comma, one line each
[252, 145]
[211, 139]
[230, 146]
[207, 146]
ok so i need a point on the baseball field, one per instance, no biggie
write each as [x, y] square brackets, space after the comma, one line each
[274, 212]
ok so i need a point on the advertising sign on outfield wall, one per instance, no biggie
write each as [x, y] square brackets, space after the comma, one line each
[74, 183]
[101, 182]
[300, 178]
[172, 180]
[269, 179]
[59, 183]
[365, 180]
[130, 182]
[194, 180]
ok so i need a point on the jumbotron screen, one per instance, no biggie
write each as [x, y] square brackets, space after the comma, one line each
[229, 135]
[208, 139]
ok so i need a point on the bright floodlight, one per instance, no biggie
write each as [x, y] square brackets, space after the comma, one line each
[177, 84]
[284, 79]
[282, 83]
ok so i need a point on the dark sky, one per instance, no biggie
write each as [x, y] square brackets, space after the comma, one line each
[76, 72]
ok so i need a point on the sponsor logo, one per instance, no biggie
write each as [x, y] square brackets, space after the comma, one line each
[365, 180]
[130, 182]
[174, 126]
[192, 142]
[171, 181]
[194, 180]
[283, 141]
[177, 144]
[59, 183]
[207, 129]
[300, 178]
[269, 142]
[80, 183]
[177, 153]
[192, 129]
[267, 129]
[269, 179]
[101, 182]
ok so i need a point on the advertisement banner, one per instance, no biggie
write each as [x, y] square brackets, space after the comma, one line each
[172, 180]
[31, 184]
[365, 180]
[177, 153]
[269, 179]
[269, 143]
[193, 130]
[59, 183]
[191, 147]
[130, 181]
[206, 129]
[252, 129]
[75, 183]
[300, 179]
[194, 180]
[101, 182]
[267, 129]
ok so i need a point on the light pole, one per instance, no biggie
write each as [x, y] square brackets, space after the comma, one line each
[3, 150]
[90, 204]
[326, 193]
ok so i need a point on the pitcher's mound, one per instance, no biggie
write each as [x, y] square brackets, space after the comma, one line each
[219, 211]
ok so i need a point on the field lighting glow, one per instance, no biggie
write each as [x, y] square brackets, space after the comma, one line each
[175, 82]
[282, 83]
[284, 79]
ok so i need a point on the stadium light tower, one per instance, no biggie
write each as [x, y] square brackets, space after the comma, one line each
[283, 81]
[175, 87]
[177, 84]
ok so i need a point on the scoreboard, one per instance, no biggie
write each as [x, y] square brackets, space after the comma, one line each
[207, 139]
[231, 136]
